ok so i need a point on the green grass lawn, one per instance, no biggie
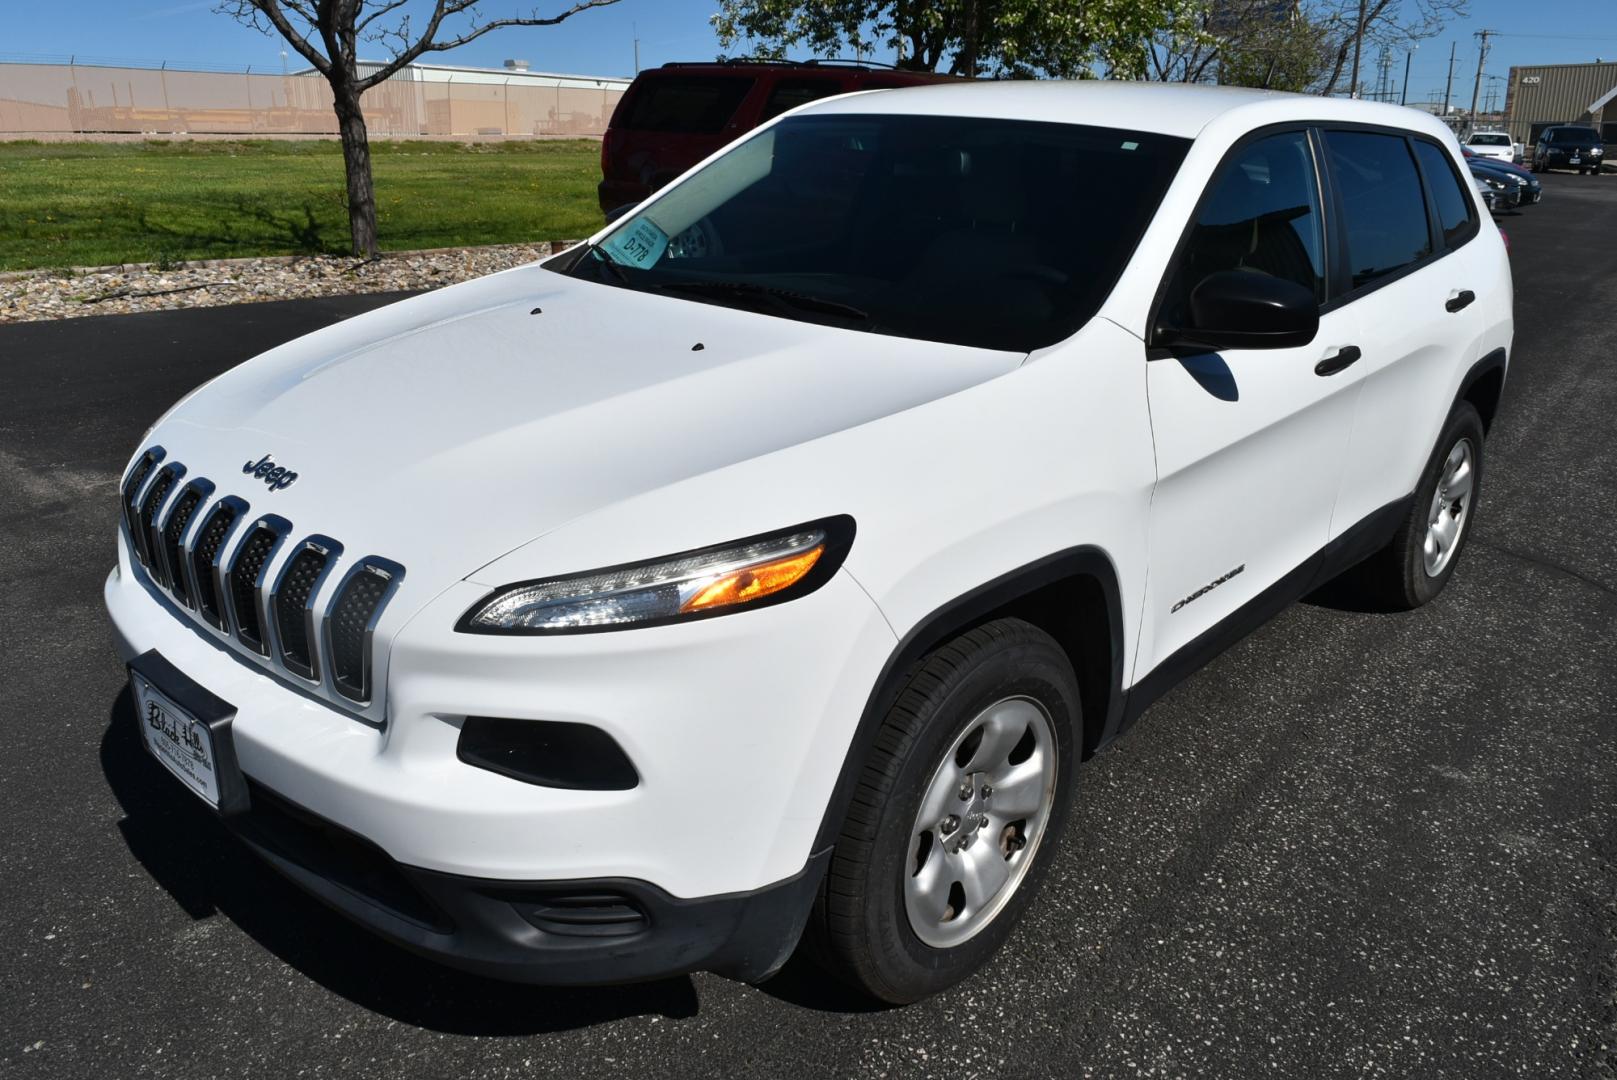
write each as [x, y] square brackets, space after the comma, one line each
[93, 204]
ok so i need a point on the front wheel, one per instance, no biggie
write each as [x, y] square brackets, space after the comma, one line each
[954, 816]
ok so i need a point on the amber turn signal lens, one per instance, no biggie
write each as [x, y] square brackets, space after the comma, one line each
[754, 582]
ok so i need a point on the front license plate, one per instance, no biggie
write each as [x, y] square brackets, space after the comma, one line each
[179, 740]
[1577, 160]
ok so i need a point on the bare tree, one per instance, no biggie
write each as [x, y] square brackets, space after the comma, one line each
[1301, 45]
[1390, 24]
[327, 34]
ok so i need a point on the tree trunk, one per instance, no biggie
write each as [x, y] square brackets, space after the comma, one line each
[968, 49]
[356, 158]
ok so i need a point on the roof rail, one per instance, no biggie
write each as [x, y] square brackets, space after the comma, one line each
[842, 62]
[779, 62]
[730, 60]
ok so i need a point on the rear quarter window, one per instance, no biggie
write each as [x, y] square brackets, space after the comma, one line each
[1456, 212]
[686, 104]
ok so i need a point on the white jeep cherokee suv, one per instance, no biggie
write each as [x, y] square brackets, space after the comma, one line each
[764, 568]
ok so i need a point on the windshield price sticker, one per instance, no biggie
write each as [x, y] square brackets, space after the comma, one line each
[639, 245]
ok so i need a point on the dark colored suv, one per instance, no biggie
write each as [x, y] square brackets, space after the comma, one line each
[676, 115]
[1569, 146]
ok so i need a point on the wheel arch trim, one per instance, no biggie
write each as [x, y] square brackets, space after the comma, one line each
[1494, 366]
[955, 617]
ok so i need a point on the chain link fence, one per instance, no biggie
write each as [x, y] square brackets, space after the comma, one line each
[39, 99]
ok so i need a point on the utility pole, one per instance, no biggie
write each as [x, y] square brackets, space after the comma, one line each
[1358, 43]
[634, 29]
[1476, 87]
[1403, 97]
[1448, 90]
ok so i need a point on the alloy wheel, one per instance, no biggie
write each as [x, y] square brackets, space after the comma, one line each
[980, 822]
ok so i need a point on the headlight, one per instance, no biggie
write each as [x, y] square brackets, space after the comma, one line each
[1497, 185]
[751, 573]
[1597, 151]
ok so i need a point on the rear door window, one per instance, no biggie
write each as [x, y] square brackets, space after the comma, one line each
[790, 93]
[1456, 212]
[1383, 207]
[686, 104]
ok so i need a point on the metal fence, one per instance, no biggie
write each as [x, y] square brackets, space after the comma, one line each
[47, 99]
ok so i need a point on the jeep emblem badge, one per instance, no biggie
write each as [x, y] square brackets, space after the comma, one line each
[265, 469]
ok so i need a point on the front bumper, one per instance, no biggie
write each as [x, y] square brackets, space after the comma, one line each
[581, 932]
[738, 728]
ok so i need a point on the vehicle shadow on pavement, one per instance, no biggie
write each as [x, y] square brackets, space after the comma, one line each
[208, 872]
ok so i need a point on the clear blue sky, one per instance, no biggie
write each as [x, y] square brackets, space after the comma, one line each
[602, 42]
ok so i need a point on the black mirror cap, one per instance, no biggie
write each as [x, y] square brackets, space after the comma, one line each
[1240, 309]
[621, 211]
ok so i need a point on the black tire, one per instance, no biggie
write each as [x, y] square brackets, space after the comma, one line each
[860, 931]
[1397, 575]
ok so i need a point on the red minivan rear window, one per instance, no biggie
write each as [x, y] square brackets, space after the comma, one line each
[692, 105]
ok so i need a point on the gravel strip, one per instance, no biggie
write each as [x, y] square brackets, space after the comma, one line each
[116, 290]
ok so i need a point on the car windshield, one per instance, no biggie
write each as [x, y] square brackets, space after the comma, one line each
[974, 231]
[1574, 135]
[1490, 140]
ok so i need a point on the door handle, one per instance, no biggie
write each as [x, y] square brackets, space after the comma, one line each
[1345, 356]
[1459, 300]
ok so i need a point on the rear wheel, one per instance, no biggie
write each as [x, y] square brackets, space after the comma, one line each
[1413, 569]
[954, 816]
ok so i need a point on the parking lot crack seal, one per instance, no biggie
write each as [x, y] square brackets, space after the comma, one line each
[1566, 571]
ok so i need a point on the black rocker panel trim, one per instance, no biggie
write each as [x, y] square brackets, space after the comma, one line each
[1353, 546]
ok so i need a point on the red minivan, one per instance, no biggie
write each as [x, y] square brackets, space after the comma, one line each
[676, 115]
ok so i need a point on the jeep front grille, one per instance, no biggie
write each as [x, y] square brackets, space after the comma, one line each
[298, 627]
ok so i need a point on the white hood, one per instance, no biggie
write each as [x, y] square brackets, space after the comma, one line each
[446, 430]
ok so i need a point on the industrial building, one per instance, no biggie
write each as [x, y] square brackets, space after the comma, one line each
[1537, 97]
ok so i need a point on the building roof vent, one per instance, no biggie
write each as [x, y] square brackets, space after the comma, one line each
[516, 65]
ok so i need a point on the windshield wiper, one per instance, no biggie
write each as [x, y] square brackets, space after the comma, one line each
[786, 298]
[611, 264]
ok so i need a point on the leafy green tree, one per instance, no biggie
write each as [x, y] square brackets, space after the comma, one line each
[1007, 38]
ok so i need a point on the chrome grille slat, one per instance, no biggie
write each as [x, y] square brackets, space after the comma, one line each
[246, 581]
[131, 493]
[185, 540]
[292, 604]
[173, 534]
[350, 625]
[145, 530]
[207, 558]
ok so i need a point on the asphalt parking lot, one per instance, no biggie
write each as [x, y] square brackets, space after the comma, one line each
[1356, 845]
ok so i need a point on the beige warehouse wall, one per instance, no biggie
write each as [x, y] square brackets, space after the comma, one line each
[58, 99]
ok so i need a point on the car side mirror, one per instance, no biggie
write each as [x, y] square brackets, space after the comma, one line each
[1239, 309]
[619, 211]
